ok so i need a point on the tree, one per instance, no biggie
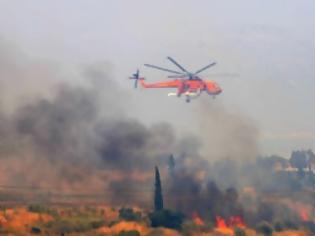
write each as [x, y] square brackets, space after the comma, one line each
[129, 215]
[265, 212]
[215, 199]
[239, 232]
[299, 160]
[167, 218]
[232, 206]
[171, 165]
[310, 159]
[158, 197]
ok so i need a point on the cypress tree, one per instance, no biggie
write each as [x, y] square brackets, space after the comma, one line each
[171, 165]
[158, 198]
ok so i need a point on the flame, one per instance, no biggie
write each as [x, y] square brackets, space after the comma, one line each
[233, 221]
[222, 228]
[236, 221]
[304, 216]
[220, 222]
[197, 219]
[304, 211]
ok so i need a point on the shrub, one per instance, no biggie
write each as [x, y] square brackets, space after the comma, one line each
[166, 218]
[35, 230]
[129, 233]
[112, 223]
[66, 226]
[37, 208]
[279, 226]
[265, 228]
[290, 225]
[239, 232]
[129, 215]
[97, 224]
[75, 224]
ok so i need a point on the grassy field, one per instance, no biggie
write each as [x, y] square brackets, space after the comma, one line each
[40, 219]
[26, 212]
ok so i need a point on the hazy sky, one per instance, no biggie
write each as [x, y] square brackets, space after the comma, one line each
[269, 44]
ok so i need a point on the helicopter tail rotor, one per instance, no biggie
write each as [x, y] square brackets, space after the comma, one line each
[136, 77]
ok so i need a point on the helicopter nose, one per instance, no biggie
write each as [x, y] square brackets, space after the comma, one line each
[219, 90]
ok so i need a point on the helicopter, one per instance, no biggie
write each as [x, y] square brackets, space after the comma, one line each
[188, 84]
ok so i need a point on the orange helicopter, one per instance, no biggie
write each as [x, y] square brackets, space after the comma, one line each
[187, 83]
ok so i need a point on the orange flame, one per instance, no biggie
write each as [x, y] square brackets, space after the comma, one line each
[304, 211]
[197, 219]
[233, 221]
[304, 215]
[236, 221]
[220, 222]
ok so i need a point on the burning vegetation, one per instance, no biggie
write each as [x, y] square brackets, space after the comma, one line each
[72, 163]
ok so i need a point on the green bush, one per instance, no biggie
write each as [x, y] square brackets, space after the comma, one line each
[290, 225]
[37, 208]
[112, 223]
[36, 230]
[129, 215]
[264, 228]
[166, 218]
[74, 224]
[97, 224]
[129, 233]
[279, 226]
[66, 226]
[239, 232]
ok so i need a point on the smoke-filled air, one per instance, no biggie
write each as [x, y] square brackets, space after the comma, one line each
[85, 149]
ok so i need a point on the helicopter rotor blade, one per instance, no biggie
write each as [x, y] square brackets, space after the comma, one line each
[163, 69]
[206, 67]
[178, 65]
[222, 75]
[177, 76]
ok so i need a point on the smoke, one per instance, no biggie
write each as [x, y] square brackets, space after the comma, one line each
[209, 168]
[78, 137]
[74, 137]
[226, 134]
[192, 192]
[22, 79]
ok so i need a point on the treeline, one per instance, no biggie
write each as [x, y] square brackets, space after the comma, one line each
[302, 160]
